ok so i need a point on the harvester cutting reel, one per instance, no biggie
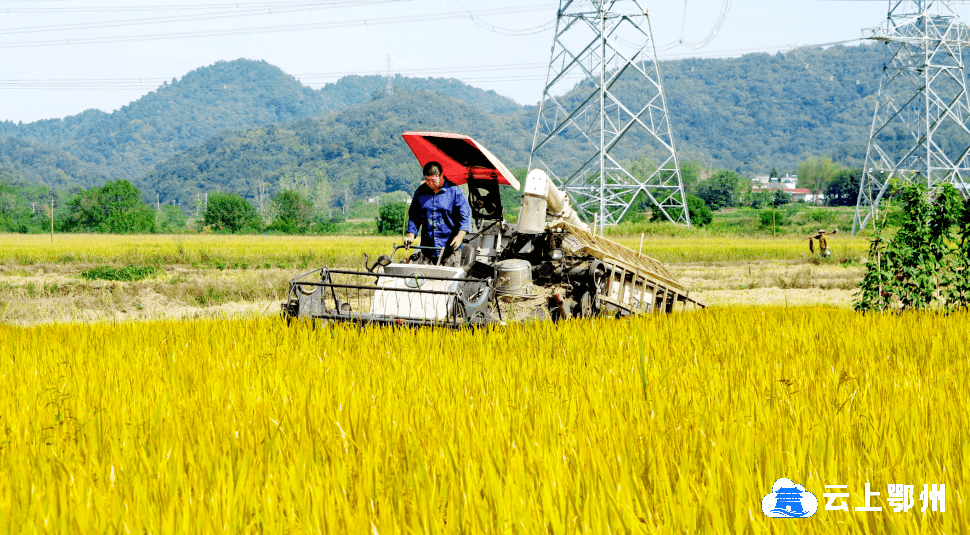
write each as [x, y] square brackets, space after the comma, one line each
[390, 293]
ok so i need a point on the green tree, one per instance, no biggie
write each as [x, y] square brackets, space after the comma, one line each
[771, 219]
[815, 173]
[23, 207]
[293, 212]
[843, 189]
[957, 295]
[721, 190]
[392, 218]
[759, 199]
[230, 212]
[780, 198]
[172, 220]
[311, 182]
[774, 173]
[700, 214]
[117, 207]
[329, 223]
[922, 264]
[689, 174]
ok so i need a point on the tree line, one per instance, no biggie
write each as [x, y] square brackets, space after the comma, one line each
[304, 205]
[118, 207]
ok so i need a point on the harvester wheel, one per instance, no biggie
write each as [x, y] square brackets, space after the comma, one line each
[597, 276]
[584, 307]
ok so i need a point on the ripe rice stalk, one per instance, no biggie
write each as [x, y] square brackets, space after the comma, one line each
[654, 424]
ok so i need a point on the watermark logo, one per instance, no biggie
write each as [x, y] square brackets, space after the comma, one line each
[900, 498]
[788, 500]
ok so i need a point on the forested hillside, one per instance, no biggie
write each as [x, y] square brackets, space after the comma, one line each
[179, 115]
[353, 90]
[245, 126]
[356, 153]
[229, 95]
[31, 162]
[760, 111]
[749, 114]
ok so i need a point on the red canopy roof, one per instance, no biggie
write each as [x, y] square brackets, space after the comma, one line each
[460, 157]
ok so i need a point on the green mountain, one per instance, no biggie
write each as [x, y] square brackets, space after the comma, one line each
[757, 111]
[229, 95]
[760, 111]
[358, 152]
[244, 126]
[42, 164]
[353, 90]
[176, 116]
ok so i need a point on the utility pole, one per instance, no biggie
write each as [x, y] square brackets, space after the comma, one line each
[586, 130]
[261, 196]
[390, 88]
[52, 217]
[919, 128]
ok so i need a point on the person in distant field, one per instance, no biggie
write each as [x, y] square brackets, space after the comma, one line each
[441, 211]
[823, 244]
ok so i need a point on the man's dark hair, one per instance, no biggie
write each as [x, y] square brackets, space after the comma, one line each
[430, 167]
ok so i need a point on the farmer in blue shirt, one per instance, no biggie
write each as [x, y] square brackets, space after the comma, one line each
[441, 210]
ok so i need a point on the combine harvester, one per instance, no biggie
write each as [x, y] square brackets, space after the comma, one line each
[547, 266]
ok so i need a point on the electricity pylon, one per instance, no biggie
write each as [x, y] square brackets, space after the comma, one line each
[587, 132]
[919, 128]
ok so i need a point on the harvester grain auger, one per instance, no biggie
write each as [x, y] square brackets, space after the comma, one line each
[549, 265]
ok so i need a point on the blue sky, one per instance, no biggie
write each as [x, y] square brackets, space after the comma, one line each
[60, 57]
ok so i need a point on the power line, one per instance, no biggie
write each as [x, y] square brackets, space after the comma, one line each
[274, 29]
[318, 79]
[478, 21]
[177, 7]
[235, 13]
[725, 8]
[741, 51]
[315, 80]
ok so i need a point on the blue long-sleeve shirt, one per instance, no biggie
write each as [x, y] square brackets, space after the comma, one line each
[440, 215]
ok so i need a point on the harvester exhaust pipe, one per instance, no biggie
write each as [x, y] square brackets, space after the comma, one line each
[540, 197]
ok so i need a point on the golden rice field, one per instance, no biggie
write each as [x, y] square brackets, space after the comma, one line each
[740, 248]
[653, 424]
[205, 249]
[254, 251]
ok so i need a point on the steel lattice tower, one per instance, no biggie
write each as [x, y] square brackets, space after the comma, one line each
[919, 128]
[615, 113]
